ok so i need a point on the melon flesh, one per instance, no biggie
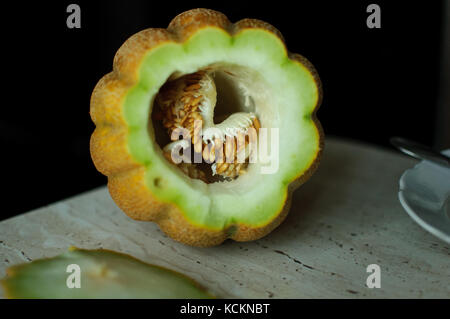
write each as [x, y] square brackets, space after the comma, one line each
[104, 274]
[280, 91]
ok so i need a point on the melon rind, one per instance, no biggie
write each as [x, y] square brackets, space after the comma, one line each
[103, 274]
[145, 185]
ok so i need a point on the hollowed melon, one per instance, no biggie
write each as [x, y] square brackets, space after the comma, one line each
[285, 91]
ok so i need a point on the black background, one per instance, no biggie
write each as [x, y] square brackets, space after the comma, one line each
[377, 82]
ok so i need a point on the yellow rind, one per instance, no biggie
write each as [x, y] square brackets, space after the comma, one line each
[126, 177]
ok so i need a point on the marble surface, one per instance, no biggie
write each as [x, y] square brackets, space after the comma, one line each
[344, 218]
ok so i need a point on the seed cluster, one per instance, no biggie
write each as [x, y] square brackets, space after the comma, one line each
[224, 155]
[181, 103]
[189, 169]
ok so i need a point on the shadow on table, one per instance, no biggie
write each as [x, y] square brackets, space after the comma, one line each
[336, 165]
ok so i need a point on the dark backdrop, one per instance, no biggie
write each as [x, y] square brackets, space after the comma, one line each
[377, 82]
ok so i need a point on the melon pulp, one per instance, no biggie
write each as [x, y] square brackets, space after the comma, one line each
[102, 274]
[273, 82]
[253, 72]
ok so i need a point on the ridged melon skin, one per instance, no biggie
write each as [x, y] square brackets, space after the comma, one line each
[110, 149]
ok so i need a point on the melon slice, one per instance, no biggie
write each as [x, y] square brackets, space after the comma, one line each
[254, 74]
[102, 274]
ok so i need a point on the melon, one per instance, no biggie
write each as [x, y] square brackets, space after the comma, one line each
[232, 79]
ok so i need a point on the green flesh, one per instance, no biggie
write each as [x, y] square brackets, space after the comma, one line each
[104, 274]
[294, 95]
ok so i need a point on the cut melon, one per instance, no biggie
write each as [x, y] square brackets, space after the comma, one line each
[101, 274]
[253, 73]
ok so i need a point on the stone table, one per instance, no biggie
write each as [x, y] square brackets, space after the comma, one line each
[346, 217]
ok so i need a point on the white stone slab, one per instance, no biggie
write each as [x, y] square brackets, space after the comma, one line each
[344, 218]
